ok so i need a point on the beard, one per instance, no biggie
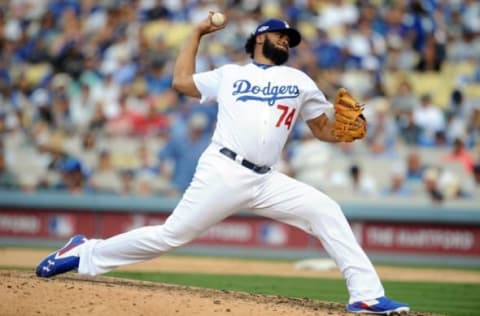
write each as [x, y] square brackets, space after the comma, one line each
[277, 55]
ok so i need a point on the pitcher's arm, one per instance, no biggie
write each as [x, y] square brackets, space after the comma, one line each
[323, 128]
[185, 63]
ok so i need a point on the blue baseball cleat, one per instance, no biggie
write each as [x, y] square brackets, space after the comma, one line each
[382, 306]
[62, 260]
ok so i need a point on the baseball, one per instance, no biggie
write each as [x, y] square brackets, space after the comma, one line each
[218, 18]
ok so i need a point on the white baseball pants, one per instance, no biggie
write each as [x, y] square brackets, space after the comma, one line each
[222, 187]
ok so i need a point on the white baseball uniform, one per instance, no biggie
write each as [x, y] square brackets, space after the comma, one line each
[258, 107]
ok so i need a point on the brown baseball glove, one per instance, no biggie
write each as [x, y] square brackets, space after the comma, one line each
[350, 124]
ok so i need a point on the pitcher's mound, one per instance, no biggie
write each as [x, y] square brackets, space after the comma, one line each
[24, 294]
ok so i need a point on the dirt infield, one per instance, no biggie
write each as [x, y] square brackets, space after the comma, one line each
[69, 294]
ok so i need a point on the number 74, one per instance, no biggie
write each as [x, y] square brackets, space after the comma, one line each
[286, 117]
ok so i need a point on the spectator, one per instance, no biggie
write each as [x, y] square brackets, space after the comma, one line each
[476, 178]
[395, 28]
[398, 186]
[464, 47]
[158, 80]
[184, 150]
[8, 179]
[459, 105]
[88, 150]
[382, 130]
[61, 113]
[430, 118]
[431, 187]
[126, 68]
[105, 178]
[414, 170]
[415, 167]
[432, 56]
[473, 127]
[410, 132]
[158, 11]
[455, 34]
[41, 99]
[99, 118]
[3, 124]
[148, 176]
[127, 182]
[404, 101]
[470, 14]
[73, 178]
[440, 139]
[151, 123]
[452, 187]
[363, 44]
[328, 54]
[419, 23]
[337, 14]
[354, 183]
[70, 59]
[125, 121]
[471, 184]
[146, 163]
[82, 108]
[53, 153]
[460, 154]
[361, 183]
[108, 94]
[459, 113]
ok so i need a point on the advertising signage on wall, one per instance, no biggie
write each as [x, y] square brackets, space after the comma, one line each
[243, 231]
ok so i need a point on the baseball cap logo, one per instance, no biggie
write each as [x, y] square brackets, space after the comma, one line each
[286, 25]
[263, 28]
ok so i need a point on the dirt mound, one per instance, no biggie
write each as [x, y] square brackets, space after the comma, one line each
[24, 294]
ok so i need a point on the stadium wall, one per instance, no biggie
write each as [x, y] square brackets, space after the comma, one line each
[393, 231]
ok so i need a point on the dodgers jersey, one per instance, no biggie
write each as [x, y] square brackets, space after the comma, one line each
[258, 106]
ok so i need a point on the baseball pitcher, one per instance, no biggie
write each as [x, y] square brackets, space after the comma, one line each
[258, 105]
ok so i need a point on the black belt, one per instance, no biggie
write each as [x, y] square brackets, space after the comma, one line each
[244, 162]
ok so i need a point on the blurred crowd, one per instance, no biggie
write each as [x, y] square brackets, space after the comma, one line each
[86, 104]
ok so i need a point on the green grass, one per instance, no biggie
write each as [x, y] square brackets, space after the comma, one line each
[452, 299]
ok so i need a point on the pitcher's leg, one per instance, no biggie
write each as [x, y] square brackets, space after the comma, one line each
[207, 201]
[295, 203]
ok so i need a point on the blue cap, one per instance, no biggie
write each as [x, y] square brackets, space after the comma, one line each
[276, 25]
[70, 164]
